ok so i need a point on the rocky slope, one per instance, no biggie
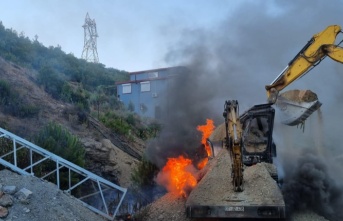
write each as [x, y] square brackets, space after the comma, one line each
[102, 156]
[104, 151]
[29, 198]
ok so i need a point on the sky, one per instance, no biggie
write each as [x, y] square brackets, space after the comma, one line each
[133, 35]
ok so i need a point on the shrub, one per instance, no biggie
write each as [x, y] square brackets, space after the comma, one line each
[51, 80]
[143, 174]
[5, 92]
[58, 140]
[130, 124]
[61, 142]
[13, 104]
[116, 123]
[76, 95]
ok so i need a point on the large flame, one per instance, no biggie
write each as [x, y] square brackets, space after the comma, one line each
[206, 131]
[178, 176]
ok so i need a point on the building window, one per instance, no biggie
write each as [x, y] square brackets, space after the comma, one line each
[153, 74]
[145, 86]
[126, 88]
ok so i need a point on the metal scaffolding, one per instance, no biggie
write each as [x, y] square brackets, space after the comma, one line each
[26, 158]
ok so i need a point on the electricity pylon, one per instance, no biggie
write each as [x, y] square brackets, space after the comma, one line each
[90, 52]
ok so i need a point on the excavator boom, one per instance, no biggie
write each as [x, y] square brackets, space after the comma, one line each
[314, 51]
[319, 46]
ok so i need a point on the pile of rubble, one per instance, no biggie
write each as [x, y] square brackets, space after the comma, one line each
[168, 207]
[299, 95]
[24, 198]
[8, 194]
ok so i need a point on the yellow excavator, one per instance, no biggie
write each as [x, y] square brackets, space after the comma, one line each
[316, 49]
[248, 139]
[233, 141]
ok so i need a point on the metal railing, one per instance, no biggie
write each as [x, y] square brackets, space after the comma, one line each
[26, 158]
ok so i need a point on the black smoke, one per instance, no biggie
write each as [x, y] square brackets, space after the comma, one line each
[235, 59]
[185, 109]
[308, 185]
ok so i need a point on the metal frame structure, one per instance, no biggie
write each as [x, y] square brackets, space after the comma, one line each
[107, 196]
[90, 52]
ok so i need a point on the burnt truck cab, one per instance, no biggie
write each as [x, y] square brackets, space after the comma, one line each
[257, 138]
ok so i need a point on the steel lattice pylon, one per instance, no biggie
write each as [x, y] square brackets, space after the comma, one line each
[90, 52]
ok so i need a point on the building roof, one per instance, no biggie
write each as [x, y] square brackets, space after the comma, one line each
[150, 79]
[147, 79]
[154, 70]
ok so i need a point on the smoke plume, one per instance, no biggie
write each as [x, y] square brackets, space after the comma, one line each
[235, 60]
[309, 186]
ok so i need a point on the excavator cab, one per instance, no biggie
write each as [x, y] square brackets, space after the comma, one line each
[257, 124]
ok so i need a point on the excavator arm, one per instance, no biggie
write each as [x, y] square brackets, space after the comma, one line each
[233, 142]
[319, 46]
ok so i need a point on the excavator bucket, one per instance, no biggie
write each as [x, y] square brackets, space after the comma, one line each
[297, 106]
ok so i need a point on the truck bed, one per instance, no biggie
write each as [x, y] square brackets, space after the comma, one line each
[214, 196]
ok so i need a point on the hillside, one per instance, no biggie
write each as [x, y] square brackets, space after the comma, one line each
[42, 86]
[103, 157]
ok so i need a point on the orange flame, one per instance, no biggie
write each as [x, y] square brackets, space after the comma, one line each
[178, 176]
[206, 131]
[202, 163]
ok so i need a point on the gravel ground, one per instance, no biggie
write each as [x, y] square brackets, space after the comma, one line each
[172, 207]
[46, 202]
[216, 187]
[169, 207]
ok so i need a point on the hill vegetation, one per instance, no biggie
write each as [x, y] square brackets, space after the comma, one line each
[52, 98]
[89, 87]
[78, 92]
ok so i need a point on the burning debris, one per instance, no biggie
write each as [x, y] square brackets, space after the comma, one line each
[179, 175]
[206, 131]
